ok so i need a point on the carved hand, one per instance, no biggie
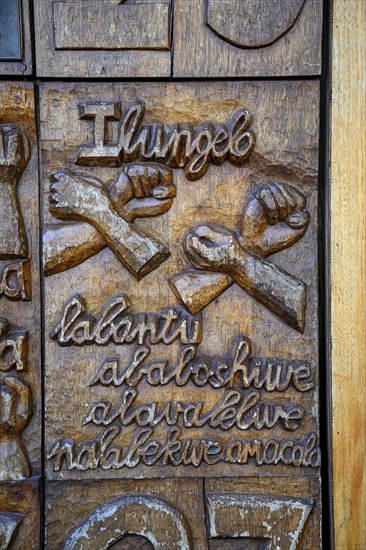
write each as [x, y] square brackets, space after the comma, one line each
[274, 218]
[142, 190]
[213, 246]
[76, 197]
[14, 155]
[82, 198]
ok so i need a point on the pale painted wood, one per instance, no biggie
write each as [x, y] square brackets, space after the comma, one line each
[348, 259]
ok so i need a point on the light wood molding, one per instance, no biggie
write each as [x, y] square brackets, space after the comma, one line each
[348, 259]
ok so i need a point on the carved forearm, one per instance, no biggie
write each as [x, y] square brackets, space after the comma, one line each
[13, 239]
[138, 253]
[280, 292]
[67, 246]
[217, 249]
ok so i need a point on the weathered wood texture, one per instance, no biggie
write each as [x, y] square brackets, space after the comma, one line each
[276, 511]
[275, 274]
[20, 515]
[89, 38]
[20, 331]
[24, 65]
[185, 500]
[223, 38]
[347, 265]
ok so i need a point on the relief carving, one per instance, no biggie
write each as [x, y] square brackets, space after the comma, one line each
[116, 324]
[132, 514]
[242, 406]
[15, 281]
[275, 521]
[238, 369]
[274, 218]
[177, 146]
[107, 214]
[15, 414]
[13, 347]
[14, 156]
[252, 23]
[111, 25]
[9, 525]
[15, 403]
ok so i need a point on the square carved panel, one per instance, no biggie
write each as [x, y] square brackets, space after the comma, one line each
[223, 38]
[181, 297]
[90, 38]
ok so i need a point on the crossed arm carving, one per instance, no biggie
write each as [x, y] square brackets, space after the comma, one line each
[107, 214]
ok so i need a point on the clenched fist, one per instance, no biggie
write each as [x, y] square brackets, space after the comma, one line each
[274, 218]
[14, 153]
[143, 190]
[213, 246]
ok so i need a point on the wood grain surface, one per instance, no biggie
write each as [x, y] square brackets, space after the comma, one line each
[203, 51]
[178, 308]
[348, 261]
[20, 499]
[83, 39]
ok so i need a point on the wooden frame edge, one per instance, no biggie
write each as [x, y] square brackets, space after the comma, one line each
[347, 272]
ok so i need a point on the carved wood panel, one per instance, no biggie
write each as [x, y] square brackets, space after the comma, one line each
[161, 377]
[175, 316]
[90, 38]
[221, 38]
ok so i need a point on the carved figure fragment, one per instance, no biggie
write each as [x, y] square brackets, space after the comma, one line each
[15, 414]
[9, 525]
[14, 156]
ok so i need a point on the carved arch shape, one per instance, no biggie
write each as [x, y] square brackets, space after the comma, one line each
[131, 515]
[252, 23]
[9, 525]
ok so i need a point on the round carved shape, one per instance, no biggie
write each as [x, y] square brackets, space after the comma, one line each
[132, 542]
[156, 520]
[252, 23]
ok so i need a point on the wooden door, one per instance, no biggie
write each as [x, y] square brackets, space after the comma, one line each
[161, 304]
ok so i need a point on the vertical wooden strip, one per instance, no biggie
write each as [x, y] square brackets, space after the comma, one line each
[348, 256]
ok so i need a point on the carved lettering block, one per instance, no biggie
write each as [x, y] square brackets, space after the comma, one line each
[158, 218]
[219, 38]
[20, 322]
[80, 38]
